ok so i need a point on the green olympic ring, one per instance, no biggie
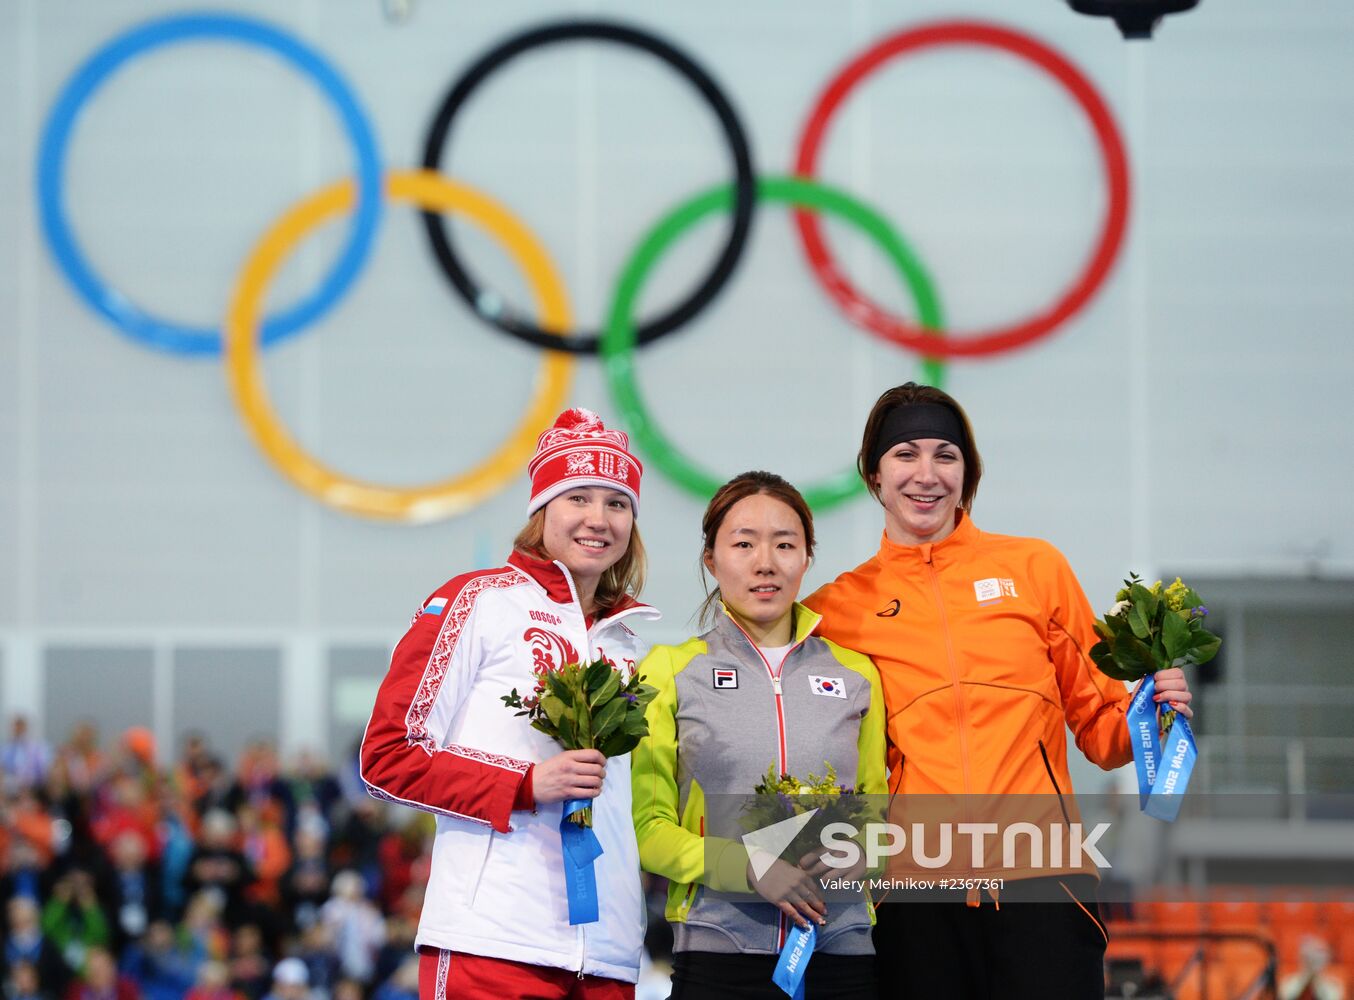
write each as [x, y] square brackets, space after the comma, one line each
[618, 341]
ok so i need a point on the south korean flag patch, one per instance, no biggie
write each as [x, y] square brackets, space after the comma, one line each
[828, 687]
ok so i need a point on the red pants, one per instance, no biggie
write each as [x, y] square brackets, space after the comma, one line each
[452, 975]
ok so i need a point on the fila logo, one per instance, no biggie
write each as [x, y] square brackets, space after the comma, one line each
[993, 589]
[891, 611]
[726, 679]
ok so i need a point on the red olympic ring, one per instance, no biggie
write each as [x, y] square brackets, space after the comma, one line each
[947, 344]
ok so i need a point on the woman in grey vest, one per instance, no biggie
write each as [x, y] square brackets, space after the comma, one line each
[758, 691]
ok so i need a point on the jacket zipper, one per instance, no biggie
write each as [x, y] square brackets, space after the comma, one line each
[1043, 752]
[781, 758]
[954, 672]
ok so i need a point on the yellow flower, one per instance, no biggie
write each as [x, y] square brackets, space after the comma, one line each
[1177, 596]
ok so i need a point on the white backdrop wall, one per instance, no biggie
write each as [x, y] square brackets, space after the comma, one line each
[1196, 416]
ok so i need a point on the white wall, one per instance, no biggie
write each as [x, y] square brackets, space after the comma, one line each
[1196, 416]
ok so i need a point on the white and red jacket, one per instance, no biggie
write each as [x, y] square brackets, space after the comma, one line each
[441, 739]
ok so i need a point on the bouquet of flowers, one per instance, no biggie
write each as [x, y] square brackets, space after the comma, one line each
[780, 797]
[587, 706]
[1150, 629]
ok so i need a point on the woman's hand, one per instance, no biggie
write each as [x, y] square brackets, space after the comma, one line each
[573, 774]
[792, 891]
[815, 865]
[1172, 687]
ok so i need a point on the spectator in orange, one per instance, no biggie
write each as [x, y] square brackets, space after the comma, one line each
[81, 760]
[266, 849]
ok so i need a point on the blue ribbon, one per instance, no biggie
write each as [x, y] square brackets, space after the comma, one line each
[1163, 769]
[581, 849]
[794, 961]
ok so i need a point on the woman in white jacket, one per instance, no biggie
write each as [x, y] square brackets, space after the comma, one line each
[495, 920]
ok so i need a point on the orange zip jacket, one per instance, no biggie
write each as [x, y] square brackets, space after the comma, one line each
[981, 643]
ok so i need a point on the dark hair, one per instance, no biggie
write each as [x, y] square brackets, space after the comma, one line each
[740, 487]
[625, 578]
[908, 394]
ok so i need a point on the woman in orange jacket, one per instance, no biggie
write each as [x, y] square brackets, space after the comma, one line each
[981, 643]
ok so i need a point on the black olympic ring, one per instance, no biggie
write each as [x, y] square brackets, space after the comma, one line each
[745, 194]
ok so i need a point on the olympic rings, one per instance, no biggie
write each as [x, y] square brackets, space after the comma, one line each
[112, 304]
[1097, 267]
[244, 332]
[604, 31]
[619, 340]
[420, 503]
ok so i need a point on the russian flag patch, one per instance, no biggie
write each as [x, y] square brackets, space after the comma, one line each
[434, 607]
[830, 687]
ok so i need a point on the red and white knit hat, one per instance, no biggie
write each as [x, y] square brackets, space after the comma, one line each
[579, 451]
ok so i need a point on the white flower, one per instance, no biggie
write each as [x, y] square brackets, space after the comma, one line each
[1119, 608]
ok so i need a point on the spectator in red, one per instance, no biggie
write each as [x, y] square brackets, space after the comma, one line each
[101, 980]
[126, 808]
[398, 852]
[213, 983]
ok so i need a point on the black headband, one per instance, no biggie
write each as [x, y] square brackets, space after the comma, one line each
[916, 421]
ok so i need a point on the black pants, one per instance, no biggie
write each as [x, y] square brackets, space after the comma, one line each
[704, 975]
[947, 950]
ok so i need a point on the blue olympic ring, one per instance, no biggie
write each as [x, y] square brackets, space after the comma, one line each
[114, 305]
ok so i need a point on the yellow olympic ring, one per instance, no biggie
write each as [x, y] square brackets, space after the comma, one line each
[432, 191]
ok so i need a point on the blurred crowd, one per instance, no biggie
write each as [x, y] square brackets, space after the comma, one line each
[203, 878]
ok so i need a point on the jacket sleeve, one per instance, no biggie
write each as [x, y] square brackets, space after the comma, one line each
[871, 753]
[666, 847]
[404, 758]
[1093, 703]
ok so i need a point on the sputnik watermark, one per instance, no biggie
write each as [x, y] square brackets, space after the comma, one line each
[932, 845]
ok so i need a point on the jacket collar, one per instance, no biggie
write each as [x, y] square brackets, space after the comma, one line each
[965, 533]
[805, 623]
[554, 578]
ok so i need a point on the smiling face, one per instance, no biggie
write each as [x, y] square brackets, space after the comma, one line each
[758, 558]
[588, 530]
[920, 483]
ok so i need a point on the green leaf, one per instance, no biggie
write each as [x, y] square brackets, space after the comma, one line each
[610, 718]
[596, 675]
[1147, 603]
[1138, 622]
[1205, 648]
[618, 744]
[1175, 634]
[553, 707]
[635, 724]
[557, 686]
[611, 686]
